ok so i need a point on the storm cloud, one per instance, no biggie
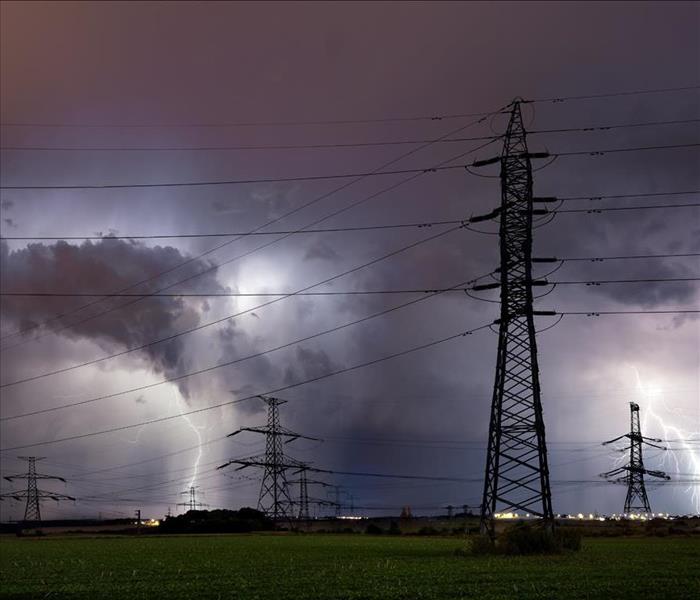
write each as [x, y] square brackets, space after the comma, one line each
[186, 75]
[107, 266]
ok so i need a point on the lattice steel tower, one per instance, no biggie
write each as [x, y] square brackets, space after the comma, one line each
[274, 499]
[33, 494]
[192, 502]
[303, 497]
[637, 499]
[517, 475]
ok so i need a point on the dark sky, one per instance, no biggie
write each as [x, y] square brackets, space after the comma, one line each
[153, 70]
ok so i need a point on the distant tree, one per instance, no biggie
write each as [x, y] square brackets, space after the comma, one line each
[217, 521]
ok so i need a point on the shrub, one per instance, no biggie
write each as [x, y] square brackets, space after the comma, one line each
[569, 539]
[394, 528]
[481, 545]
[525, 539]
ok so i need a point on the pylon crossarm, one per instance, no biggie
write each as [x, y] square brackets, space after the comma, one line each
[279, 431]
[644, 441]
[40, 476]
[296, 436]
[47, 494]
[226, 464]
[14, 495]
[614, 472]
[487, 217]
[36, 476]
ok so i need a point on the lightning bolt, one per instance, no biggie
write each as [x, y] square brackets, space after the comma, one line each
[181, 406]
[651, 396]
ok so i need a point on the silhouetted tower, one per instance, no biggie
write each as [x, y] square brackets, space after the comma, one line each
[303, 498]
[637, 499]
[517, 475]
[192, 503]
[33, 494]
[337, 491]
[137, 514]
[450, 511]
[274, 499]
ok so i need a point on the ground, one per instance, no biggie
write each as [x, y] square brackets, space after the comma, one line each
[334, 567]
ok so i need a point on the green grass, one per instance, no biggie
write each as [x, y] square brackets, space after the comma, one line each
[328, 567]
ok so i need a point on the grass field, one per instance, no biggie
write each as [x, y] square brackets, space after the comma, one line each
[339, 566]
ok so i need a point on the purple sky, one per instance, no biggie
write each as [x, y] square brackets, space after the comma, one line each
[425, 413]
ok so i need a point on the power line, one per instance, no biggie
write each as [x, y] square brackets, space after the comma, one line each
[211, 472]
[630, 312]
[327, 293]
[289, 213]
[344, 370]
[612, 126]
[290, 179]
[307, 338]
[637, 195]
[230, 402]
[251, 309]
[160, 457]
[558, 99]
[241, 359]
[437, 117]
[621, 281]
[622, 208]
[628, 257]
[368, 144]
[434, 117]
[330, 176]
[615, 150]
[418, 225]
[271, 222]
[259, 147]
[433, 292]
[589, 446]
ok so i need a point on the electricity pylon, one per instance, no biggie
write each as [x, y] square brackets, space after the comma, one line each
[33, 495]
[637, 499]
[274, 499]
[517, 475]
[337, 491]
[192, 502]
[303, 502]
[303, 498]
[304, 482]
